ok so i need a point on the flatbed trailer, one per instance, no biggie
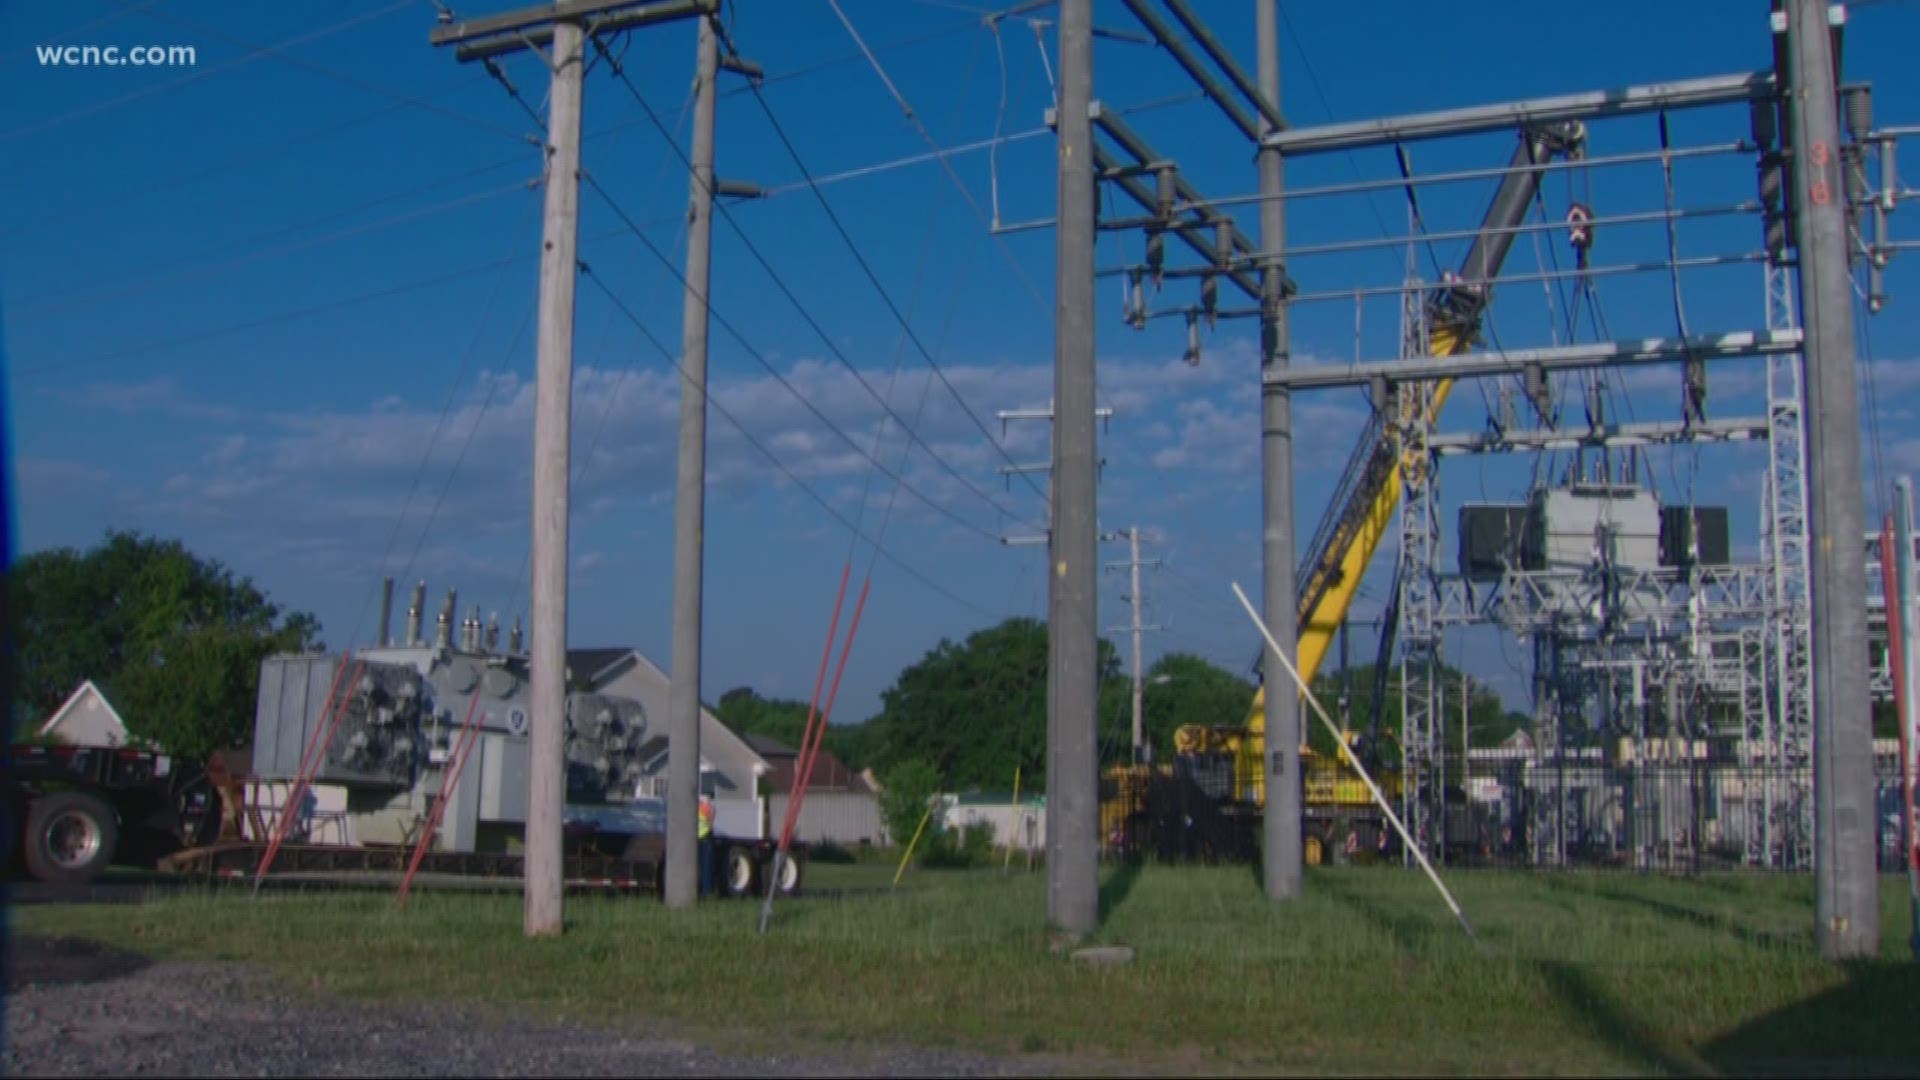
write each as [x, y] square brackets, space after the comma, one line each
[614, 863]
[72, 811]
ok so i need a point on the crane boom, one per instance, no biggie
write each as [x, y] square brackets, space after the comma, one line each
[1369, 491]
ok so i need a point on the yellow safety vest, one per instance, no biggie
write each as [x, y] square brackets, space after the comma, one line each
[706, 820]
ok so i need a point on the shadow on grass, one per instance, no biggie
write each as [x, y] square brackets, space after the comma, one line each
[1701, 919]
[1868, 1026]
[1587, 1004]
[1409, 933]
[1118, 884]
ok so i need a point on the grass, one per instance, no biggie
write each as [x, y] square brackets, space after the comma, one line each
[1573, 974]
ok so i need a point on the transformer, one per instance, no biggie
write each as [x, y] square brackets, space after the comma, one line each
[399, 727]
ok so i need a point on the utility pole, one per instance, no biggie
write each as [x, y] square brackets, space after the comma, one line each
[1072, 782]
[682, 885]
[1846, 894]
[1281, 858]
[1133, 565]
[562, 28]
[1908, 612]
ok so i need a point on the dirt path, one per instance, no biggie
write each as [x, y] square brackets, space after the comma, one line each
[75, 1008]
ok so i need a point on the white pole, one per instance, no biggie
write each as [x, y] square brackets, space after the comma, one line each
[1354, 759]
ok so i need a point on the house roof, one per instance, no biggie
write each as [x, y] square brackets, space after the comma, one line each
[83, 692]
[768, 747]
[829, 774]
[589, 664]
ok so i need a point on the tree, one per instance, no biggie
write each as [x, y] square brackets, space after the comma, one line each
[1183, 689]
[175, 638]
[785, 719]
[909, 788]
[976, 711]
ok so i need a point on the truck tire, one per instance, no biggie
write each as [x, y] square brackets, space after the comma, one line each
[789, 880]
[739, 874]
[70, 838]
[9, 834]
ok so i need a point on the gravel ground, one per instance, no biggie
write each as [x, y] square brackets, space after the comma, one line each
[76, 1008]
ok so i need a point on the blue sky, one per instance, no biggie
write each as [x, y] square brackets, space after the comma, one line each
[238, 297]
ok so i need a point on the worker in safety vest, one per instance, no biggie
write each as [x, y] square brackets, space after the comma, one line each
[706, 845]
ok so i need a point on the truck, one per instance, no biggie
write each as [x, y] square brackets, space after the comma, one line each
[1222, 764]
[70, 812]
[422, 750]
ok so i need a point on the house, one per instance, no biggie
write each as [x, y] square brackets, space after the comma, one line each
[87, 718]
[1018, 822]
[841, 805]
[730, 770]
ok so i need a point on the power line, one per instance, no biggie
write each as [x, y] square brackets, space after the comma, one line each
[278, 53]
[760, 359]
[773, 458]
[188, 270]
[825, 338]
[269, 320]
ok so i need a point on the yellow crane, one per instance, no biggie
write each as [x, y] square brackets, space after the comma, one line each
[1363, 506]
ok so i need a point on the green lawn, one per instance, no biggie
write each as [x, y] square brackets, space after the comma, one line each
[1573, 973]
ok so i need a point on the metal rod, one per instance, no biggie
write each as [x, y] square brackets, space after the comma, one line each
[1626, 101]
[1197, 71]
[1555, 358]
[682, 884]
[1073, 826]
[1636, 218]
[1194, 234]
[1645, 433]
[1267, 104]
[1846, 895]
[1360, 187]
[1661, 266]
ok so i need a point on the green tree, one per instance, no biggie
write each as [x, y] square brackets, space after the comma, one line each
[977, 710]
[1183, 689]
[907, 791]
[785, 719]
[176, 640]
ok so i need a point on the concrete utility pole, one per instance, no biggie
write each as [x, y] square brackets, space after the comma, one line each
[1846, 894]
[1136, 601]
[1908, 610]
[561, 28]
[682, 885]
[552, 440]
[1281, 855]
[1073, 823]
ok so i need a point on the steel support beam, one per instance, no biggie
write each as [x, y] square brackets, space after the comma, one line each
[1176, 47]
[1268, 105]
[1647, 433]
[494, 35]
[1740, 343]
[1625, 101]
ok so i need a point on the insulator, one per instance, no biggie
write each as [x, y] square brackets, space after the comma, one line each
[1136, 305]
[1765, 120]
[1192, 356]
[1859, 102]
[1210, 296]
[1772, 182]
[1165, 190]
[1156, 255]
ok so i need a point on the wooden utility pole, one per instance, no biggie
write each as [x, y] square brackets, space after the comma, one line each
[562, 28]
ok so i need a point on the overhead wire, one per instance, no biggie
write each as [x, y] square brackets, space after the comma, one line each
[772, 458]
[760, 358]
[199, 73]
[827, 339]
